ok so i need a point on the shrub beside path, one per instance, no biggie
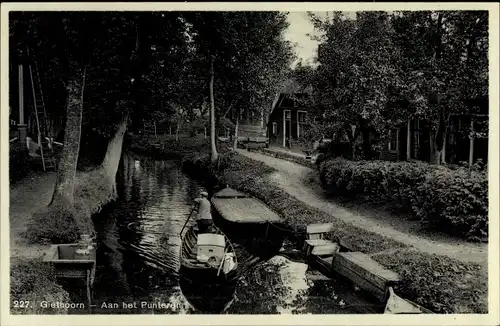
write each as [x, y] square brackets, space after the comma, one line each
[302, 183]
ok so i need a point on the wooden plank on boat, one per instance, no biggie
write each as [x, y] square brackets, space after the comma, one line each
[324, 264]
[361, 268]
[329, 249]
[317, 231]
[313, 275]
[310, 244]
[245, 210]
[320, 247]
[230, 193]
[359, 281]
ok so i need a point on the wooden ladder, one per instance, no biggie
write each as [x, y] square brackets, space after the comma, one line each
[45, 143]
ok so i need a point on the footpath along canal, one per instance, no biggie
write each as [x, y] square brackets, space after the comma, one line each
[138, 255]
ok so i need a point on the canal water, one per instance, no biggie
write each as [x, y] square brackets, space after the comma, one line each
[138, 254]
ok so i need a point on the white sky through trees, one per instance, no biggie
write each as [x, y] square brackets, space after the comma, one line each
[297, 33]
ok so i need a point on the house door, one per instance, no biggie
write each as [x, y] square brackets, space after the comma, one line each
[287, 126]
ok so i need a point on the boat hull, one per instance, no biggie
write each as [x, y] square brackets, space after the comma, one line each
[263, 239]
[206, 297]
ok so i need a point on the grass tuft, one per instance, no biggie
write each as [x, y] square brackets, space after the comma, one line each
[33, 281]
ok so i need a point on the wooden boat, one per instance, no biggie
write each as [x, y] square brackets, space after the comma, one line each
[246, 217]
[211, 270]
[397, 305]
[208, 269]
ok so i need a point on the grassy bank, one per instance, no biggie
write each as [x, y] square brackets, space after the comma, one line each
[37, 225]
[32, 282]
[167, 146]
[61, 224]
[439, 283]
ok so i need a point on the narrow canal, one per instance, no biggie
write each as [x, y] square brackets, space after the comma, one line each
[138, 254]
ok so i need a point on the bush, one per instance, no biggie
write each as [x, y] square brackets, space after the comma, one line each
[60, 223]
[455, 201]
[439, 283]
[53, 224]
[34, 281]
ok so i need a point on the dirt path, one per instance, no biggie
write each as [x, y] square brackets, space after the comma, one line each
[26, 197]
[300, 182]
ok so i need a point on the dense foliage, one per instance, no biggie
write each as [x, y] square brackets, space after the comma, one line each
[154, 65]
[381, 69]
[454, 201]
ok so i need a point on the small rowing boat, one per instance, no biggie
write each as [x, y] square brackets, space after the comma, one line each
[397, 305]
[208, 269]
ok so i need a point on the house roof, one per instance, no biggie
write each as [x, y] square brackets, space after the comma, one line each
[291, 86]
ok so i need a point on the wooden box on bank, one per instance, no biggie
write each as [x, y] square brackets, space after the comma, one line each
[70, 264]
[318, 231]
[320, 247]
[365, 273]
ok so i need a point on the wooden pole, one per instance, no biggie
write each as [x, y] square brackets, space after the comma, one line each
[21, 95]
[471, 142]
[408, 140]
[22, 127]
[284, 129]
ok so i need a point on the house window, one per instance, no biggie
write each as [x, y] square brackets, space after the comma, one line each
[275, 128]
[393, 140]
[288, 115]
[301, 116]
[415, 128]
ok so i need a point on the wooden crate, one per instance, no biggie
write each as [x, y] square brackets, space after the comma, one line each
[320, 247]
[69, 264]
[365, 273]
[317, 231]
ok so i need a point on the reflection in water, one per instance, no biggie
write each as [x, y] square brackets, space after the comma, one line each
[138, 255]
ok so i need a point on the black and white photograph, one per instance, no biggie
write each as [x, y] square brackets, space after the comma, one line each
[250, 162]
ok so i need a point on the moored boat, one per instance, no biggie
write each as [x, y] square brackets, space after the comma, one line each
[397, 305]
[208, 269]
[246, 217]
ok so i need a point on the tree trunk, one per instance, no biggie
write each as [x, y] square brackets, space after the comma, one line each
[367, 146]
[235, 140]
[439, 142]
[113, 155]
[177, 130]
[66, 173]
[213, 148]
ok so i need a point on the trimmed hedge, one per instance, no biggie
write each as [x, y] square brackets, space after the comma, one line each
[454, 201]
